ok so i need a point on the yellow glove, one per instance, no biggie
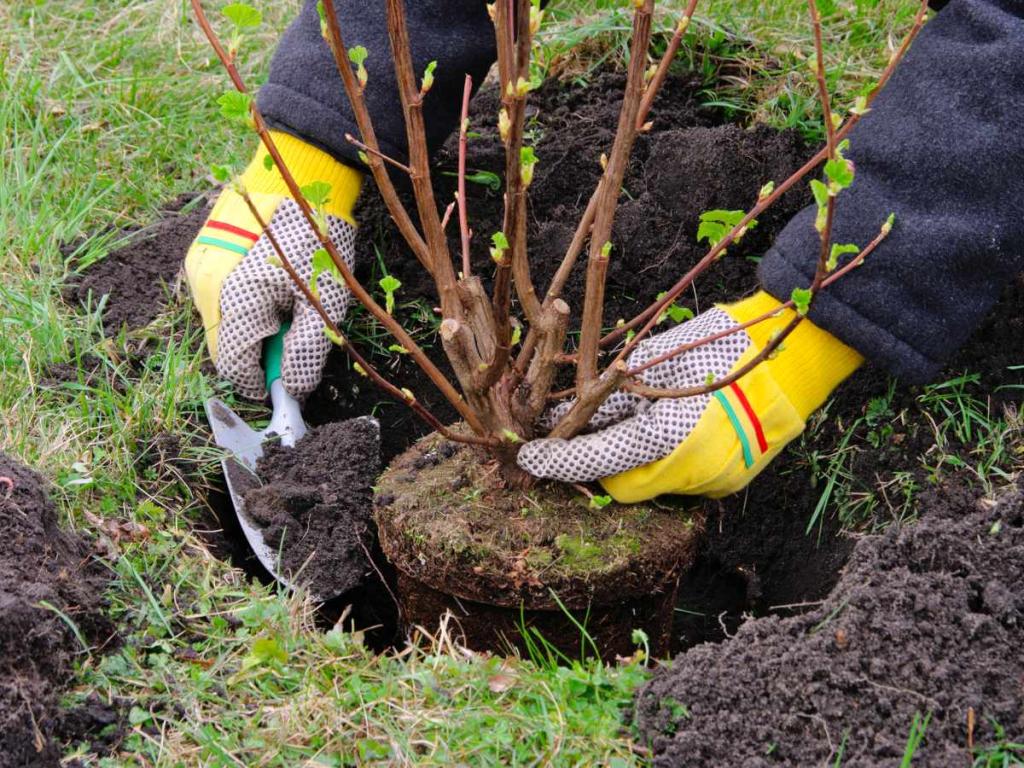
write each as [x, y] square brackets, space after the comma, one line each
[710, 445]
[242, 297]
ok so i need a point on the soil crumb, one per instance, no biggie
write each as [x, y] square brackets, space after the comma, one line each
[40, 566]
[447, 519]
[136, 276]
[315, 504]
[927, 618]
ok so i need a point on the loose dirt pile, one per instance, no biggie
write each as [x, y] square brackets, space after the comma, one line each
[315, 502]
[136, 277]
[44, 572]
[925, 619]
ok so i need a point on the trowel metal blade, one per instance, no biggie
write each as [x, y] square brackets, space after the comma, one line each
[234, 435]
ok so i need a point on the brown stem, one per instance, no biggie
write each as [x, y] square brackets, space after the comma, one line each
[354, 91]
[358, 291]
[607, 201]
[377, 153]
[464, 230]
[664, 65]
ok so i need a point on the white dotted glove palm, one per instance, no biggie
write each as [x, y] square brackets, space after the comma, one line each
[711, 444]
[240, 290]
[631, 430]
[258, 294]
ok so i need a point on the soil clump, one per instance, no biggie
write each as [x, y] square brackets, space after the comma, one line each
[927, 618]
[43, 571]
[314, 504]
[451, 528]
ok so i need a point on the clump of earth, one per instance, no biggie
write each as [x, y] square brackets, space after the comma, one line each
[44, 572]
[926, 620]
[314, 504]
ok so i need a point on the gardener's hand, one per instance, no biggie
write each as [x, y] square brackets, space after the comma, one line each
[710, 445]
[242, 297]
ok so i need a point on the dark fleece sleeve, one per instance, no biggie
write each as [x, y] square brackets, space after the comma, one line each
[943, 149]
[304, 95]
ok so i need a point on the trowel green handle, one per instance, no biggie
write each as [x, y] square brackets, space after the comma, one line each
[273, 353]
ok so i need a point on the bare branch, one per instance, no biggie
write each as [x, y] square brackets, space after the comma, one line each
[354, 91]
[376, 152]
[607, 200]
[664, 65]
[464, 230]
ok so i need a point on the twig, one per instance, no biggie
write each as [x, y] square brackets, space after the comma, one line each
[464, 230]
[607, 202]
[664, 65]
[377, 153]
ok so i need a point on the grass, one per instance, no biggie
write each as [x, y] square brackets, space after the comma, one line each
[107, 111]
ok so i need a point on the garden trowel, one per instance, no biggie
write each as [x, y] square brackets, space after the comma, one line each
[244, 446]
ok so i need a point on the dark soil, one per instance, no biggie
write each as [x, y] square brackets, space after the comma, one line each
[136, 277]
[40, 563]
[315, 504]
[451, 527]
[925, 619]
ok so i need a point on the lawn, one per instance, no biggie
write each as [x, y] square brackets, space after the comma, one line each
[108, 112]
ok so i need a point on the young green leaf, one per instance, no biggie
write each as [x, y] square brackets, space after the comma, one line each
[428, 78]
[220, 173]
[235, 106]
[335, 338]
[500, 245]
[484, 178]
[599, 502]
[242, 15]
[357, 56]
[820, 192]
[398, 349]
[323, 263]
[268, 162]
[511, 436]
[389, 284]
[839, 172]
[715, 225]
[317, 194]
[887, 226]
[606, 250]
[838, 251]
[527, 160]
[517, 333]
[801, 300]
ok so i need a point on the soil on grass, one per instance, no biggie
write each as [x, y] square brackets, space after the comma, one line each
[135, 278]
[927, 618]
[44, 572]
[498, 558]
[314, 505]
